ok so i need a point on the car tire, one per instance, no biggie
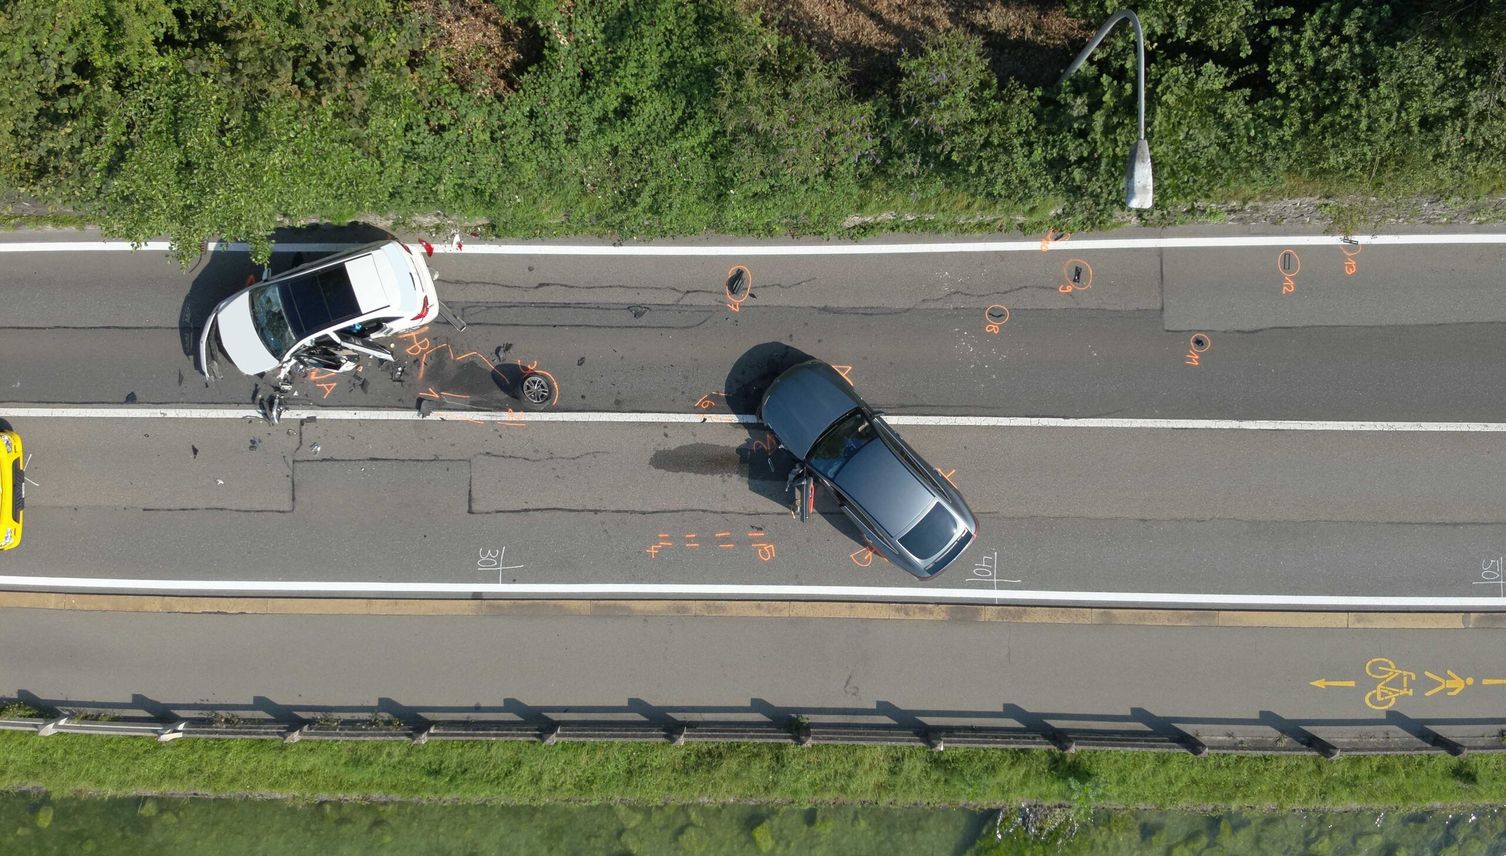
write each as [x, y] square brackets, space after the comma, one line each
[536, 390]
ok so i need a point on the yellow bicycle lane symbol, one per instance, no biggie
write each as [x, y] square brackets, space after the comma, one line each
[1393, 682]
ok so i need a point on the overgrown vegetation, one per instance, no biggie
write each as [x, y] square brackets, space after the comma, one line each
[204, 118]
[530, 773]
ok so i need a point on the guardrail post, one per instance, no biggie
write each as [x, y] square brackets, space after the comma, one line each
[1166, 729]
[51, 726]
[1048, 732]
[934, 740]
[295, 734]
[421, 735]
[550, 734]
[1426, 734]
[1298, 734]
[677, 735]
[171, 732]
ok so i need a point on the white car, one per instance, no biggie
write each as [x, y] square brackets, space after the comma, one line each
[370, 292]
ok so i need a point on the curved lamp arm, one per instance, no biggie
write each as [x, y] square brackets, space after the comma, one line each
[1137, 180]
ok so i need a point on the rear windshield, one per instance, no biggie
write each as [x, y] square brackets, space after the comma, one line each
[931, 534]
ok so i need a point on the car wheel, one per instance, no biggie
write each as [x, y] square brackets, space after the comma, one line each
[536, 390]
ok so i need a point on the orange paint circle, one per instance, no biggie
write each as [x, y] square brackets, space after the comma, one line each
[732, 273]
[1204, 338]
[1281, 262]
[996, 314]
[1077, 275]
[1350, 250]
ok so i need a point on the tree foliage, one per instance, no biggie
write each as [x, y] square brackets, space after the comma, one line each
[209, 118]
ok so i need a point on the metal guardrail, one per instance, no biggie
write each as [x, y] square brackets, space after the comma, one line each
[1407, 736]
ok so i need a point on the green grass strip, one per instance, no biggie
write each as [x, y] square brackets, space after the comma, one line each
[528, 773]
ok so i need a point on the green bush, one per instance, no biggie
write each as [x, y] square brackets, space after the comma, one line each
[223, 118]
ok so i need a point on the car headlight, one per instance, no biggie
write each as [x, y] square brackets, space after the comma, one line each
[9, 446]
[10, 535]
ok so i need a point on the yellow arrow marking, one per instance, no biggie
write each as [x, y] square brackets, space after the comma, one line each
[1325, 683]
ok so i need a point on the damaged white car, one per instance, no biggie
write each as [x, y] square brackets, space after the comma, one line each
[321, 314]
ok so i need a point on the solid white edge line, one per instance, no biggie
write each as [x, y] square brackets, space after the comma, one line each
[357, 415]
[710, 591]
[831, 249]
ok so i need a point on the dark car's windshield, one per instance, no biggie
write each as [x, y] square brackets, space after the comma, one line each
[931, 534]
[840, 442]
[270, 321]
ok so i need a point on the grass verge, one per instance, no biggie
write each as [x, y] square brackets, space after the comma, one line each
[531, 774]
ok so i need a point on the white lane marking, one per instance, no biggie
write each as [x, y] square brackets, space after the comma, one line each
[824, 249]
[355, 415]
[754, 592]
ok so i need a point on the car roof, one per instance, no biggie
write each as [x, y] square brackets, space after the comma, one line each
[883, 484]
[318, 300]
[805, 401]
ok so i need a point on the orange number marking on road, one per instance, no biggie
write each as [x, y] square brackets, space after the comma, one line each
[994, 317]
[1289, 264]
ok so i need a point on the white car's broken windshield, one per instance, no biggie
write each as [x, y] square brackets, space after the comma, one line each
[269, 319]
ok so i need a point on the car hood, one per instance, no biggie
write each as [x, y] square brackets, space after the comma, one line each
[805, 401]
[238, 336]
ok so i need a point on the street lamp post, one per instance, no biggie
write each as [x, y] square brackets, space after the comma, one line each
[1137, 175]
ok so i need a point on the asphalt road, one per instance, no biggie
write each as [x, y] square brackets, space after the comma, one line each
[1309, 513]
[1414, 333]
[1124, 509]
[1208, 680]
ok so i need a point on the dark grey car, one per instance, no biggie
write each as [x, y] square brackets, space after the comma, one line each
[907, 510]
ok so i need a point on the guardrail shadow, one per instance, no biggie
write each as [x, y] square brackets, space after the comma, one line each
[762, 720]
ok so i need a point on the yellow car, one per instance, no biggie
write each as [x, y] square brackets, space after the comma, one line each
[12, 490]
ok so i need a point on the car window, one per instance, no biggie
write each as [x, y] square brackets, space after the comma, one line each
[320, 300]
[270, 321]
[840, 442]
[361, 330]
[934, 531]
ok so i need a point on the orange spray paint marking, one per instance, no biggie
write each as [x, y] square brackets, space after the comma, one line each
[1288, 263]
[1077, 275]
[1196, 347]
[1053, 237]
[948, 476]
[738, 286]
[844, 371]
[765, 551]
[994, 317]
[1350, 250]
[862, 558]
[316, 376]
[767, 445]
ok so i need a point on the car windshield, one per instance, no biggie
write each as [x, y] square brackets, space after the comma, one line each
[270, 321]
[840, 442]
[931, 534]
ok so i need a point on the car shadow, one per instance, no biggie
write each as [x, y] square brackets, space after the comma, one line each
[221, 273]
